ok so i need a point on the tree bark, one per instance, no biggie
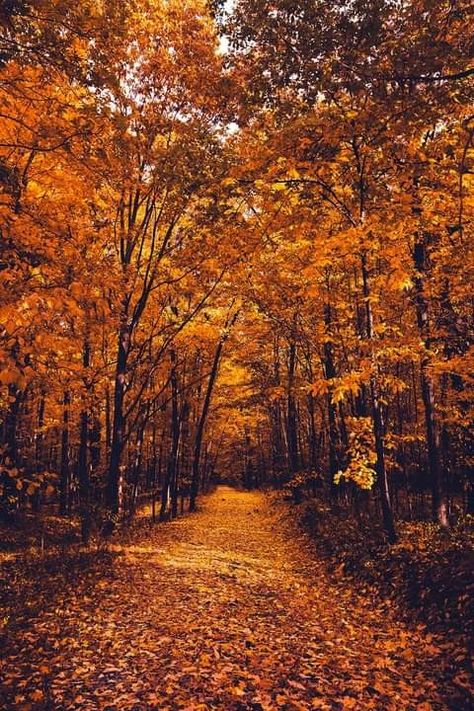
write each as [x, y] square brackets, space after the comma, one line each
[9, 499]
[39, 464]
[83, 463]
[65, 477]
[201, 424]
[378, 424]
[175, 437]
[439, 507]
[291, 421]
[114, 478]
[330, 374]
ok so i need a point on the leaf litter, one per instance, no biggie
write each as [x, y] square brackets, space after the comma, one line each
[230, 609]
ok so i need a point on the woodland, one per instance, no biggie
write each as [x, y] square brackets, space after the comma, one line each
[236, 363]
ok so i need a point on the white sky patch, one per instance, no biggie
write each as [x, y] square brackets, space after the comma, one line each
[223, 44]
[229, 6]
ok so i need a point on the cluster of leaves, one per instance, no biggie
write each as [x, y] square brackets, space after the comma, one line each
[361, 454]
[302, 482]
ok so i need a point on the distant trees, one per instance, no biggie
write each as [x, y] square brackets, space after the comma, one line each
[358, 163]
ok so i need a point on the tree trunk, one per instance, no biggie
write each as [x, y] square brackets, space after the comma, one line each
[378, 424]
[312, 438]
[291, 422]
[382, 479]
[137, 467]
[201, 424]
[108, 427]
[9, 459]
[330, 373]
[114, 478]
[175, 437]
[439, 507]
[39, 464]
[164, 473]
[65, 477]
[82, 462]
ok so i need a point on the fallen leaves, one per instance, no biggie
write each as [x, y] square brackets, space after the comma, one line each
[199, 615]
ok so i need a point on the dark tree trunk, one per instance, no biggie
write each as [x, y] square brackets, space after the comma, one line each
[114, 478]
[136, 473]
[164, 473]
[65, 478]
[378, 424]
[39, 464]
[439, 507]
[9, 460]
[291, 421]
[278, 446]
[382, 478]
[313, 441]
[108, 427]
[200, 426]
[94, 443]
[330, 374]
[83, 463]
[278, 452]
[175, 437]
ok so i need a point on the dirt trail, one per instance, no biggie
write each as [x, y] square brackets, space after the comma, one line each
[225, 609]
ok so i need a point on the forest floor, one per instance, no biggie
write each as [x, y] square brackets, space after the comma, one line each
[229, 608]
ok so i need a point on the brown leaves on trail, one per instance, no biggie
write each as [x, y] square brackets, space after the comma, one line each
[226, 609]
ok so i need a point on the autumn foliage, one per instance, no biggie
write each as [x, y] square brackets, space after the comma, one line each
[158, 191]
[236, 245]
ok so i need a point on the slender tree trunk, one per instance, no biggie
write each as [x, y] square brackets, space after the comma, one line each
[378, 424]
[39, 464]
[65, 478]
[175, 437]
[201, 424]
[164, 472]
[95, 436]
[9, 459]
[108, 426]
[291, 420]
[439, 507]
[153, 474]
[114, 479]
[183, 461]
[313, 442]
[278, 448]
[137, 467]
[83, 463]
[382, 478]
[278, 454]
[330, 374]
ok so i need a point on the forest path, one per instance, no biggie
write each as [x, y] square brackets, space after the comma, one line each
[225, 609]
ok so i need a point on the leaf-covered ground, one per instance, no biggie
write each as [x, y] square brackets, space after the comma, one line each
[428, 574]
[225, 609]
